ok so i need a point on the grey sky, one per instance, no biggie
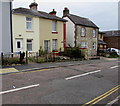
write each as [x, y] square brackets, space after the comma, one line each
[103, 14]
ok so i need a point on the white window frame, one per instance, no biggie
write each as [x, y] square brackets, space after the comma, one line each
[28, 23]
[54, 44]
[29, 43]
[94, 45]
[94, 33]
[54, 26]
[47, 47]
[83, 31]
[84, 45]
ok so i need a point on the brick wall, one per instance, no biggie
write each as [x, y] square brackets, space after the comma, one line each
[113, 42]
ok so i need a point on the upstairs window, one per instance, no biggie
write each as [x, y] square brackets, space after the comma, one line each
[94, 33]
[83, 32]
[54, 26]
[28, 23]
[84, 44]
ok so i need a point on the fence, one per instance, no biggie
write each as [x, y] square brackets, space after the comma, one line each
[12, 58]
[25, 57]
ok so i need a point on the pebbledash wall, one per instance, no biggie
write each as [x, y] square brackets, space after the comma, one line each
[41, 30]
[88, 38]
[70, 37]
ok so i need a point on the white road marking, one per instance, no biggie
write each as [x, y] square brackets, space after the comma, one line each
[113, 101]
[82, 75]
[18, 89]
[113, 67]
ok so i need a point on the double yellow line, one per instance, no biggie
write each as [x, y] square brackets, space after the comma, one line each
[101, 97]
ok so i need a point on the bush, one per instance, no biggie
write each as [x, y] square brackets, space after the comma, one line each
[73, 52]
[113, 55]
[10, 61]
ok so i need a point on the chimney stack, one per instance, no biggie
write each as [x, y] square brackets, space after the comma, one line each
[33, 6]
[53, 12]
[65, 11]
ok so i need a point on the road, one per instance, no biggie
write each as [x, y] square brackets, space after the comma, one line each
[85, 84]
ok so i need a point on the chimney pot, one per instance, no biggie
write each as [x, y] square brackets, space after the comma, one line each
[65, 11]
[53, 12]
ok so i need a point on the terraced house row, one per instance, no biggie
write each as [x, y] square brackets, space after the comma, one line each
[33, 30]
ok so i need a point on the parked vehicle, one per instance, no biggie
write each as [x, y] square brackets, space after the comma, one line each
[114, 50]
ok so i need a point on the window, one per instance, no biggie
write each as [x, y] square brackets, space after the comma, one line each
[83, 32]
[94, 33]
[54, 44]
[94, 45]
[54, 26]
[19, 43]
[47, 45]
[28, 23]
[29, 45]
[83, 44]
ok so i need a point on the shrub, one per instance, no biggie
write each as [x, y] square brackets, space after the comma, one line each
[113, 55]
[10, 61]
[73, 52]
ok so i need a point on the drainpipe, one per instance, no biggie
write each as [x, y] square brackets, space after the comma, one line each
[11, 26]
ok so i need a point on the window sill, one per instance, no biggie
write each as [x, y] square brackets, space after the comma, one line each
[29, 31]
[83, 48]
[54, 32]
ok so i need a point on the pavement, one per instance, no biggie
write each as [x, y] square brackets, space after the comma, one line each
[39, 66]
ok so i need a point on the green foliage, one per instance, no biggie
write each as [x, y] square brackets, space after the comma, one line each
[41, 52]
[113, 55]
[10, 61]
[73, 52]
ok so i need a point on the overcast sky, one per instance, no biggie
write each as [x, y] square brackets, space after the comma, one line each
[104, 13]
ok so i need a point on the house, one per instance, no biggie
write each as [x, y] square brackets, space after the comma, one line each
[6, 26]
[81, 32]
[34, 30]
[101, 43]
[112, 38]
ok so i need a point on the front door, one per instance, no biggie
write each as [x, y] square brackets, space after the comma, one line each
[19, 45]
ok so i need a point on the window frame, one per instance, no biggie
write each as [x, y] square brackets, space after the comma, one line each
[94, 45]
[29, 22]
[83, 31]
[29, 43]
[54, 26]
[54, 46]
[84, 44]
[48, 46]
[94, 33]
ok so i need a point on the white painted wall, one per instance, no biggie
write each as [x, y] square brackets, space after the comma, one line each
[70, 26]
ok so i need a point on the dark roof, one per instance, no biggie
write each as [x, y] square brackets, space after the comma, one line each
[40, 14]
[112, 33]
[101, 32]
[101, 42]
[81, 21]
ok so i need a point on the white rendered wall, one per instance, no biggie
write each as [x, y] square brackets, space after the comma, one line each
[70, 26]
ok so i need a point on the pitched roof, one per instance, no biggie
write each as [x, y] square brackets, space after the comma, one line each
[40, 14]
[81, 21]
[112, 33]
